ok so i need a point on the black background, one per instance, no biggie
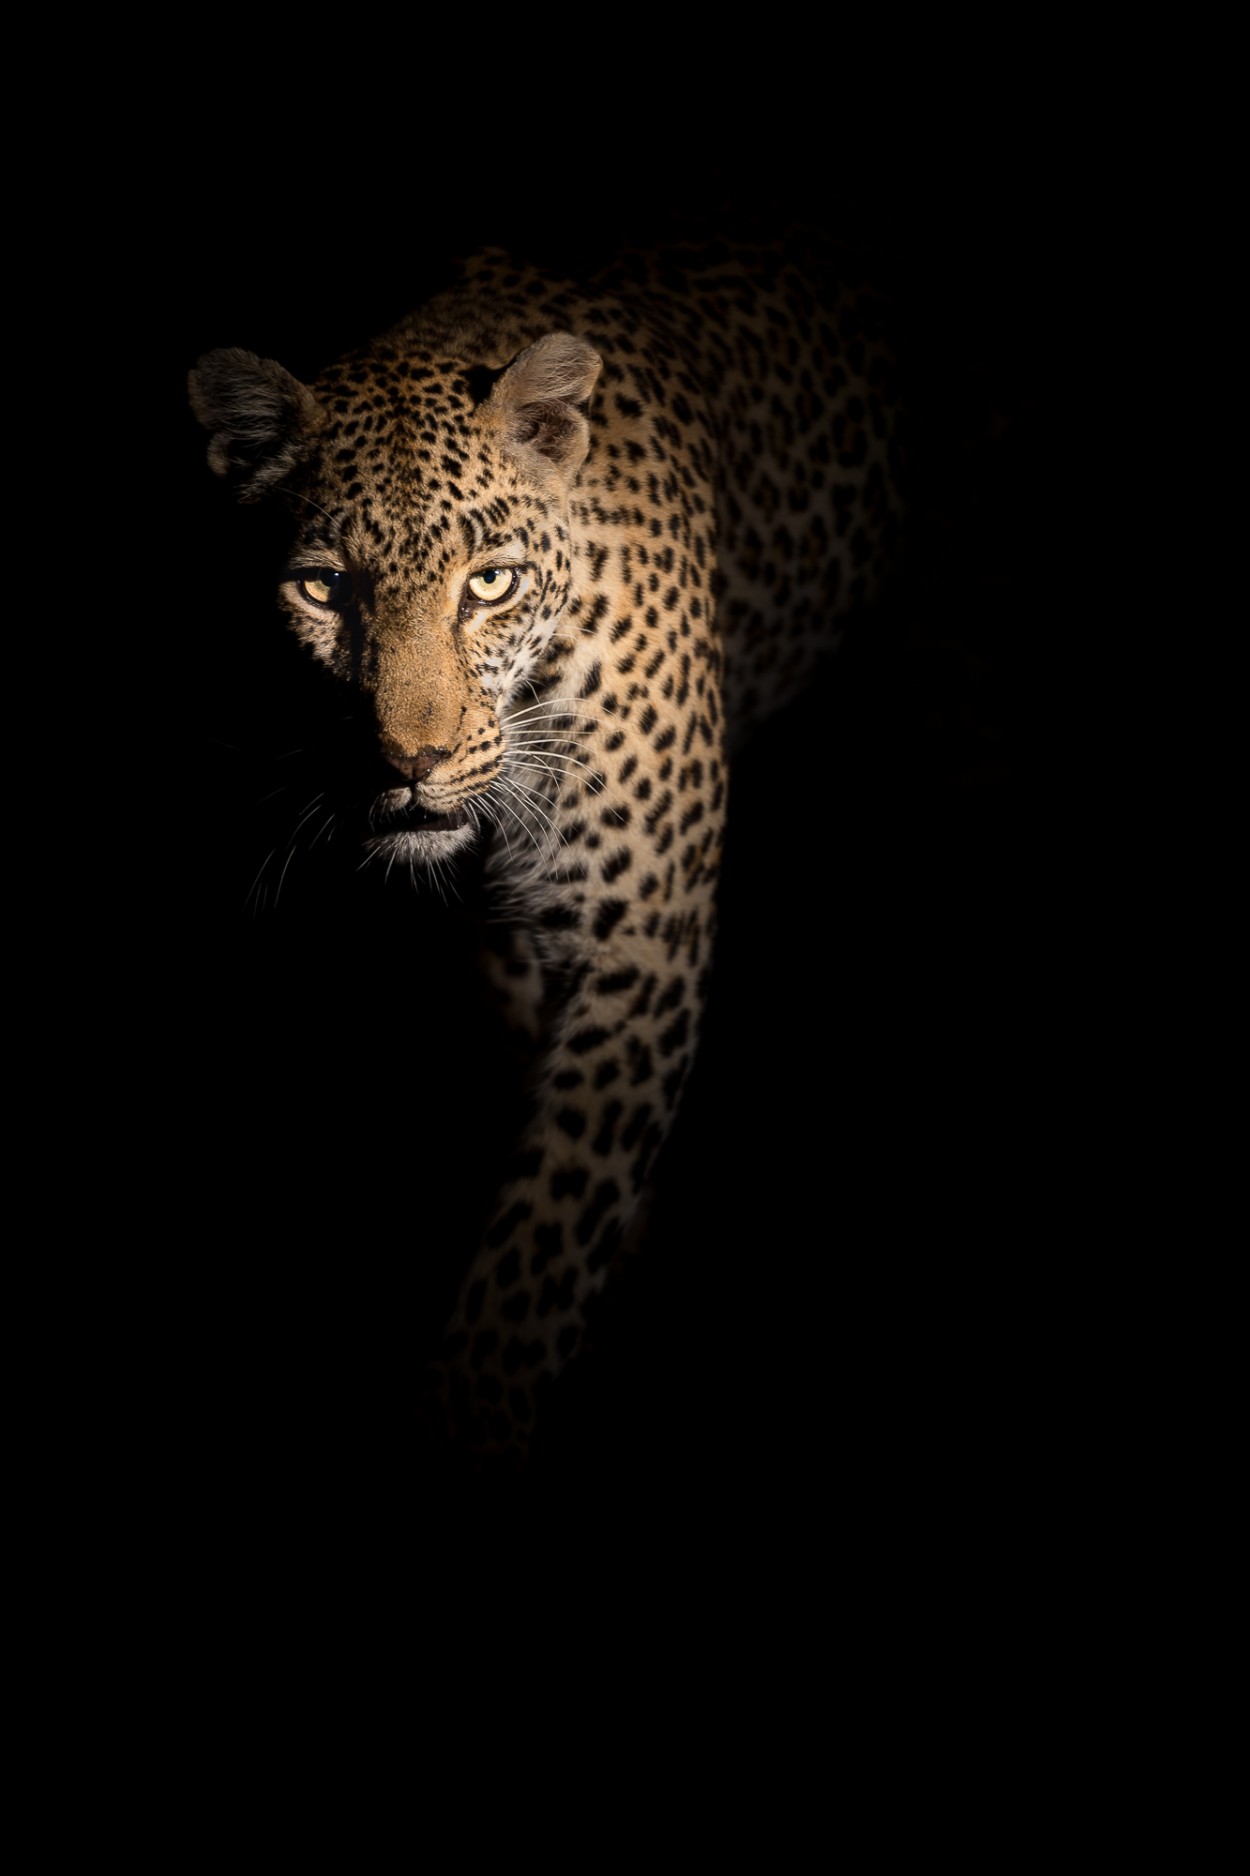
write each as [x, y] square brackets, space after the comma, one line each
[850, 1270]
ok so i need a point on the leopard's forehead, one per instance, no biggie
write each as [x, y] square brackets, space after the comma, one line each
[405, 460]
[409, 417]
[447, 390]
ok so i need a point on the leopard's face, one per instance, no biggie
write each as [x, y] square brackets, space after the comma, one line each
[437, 597]
[430, 567]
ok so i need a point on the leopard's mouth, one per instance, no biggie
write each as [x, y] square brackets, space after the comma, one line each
[398, 811]
[417, 820]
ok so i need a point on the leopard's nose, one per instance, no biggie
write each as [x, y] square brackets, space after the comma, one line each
[415, 767]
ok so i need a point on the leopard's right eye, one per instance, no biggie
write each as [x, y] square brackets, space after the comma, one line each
[324, 586]
[493, 584]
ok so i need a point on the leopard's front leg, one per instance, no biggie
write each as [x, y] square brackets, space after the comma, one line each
[602, 1100]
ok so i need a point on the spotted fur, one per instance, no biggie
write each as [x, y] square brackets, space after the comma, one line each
[571, 541]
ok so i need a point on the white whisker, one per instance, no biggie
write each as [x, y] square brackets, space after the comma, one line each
[532, 809]
[309, 811]
[281, 877]
[256, 882]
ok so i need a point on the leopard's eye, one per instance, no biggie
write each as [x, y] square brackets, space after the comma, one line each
[324, 586]
[493, 584]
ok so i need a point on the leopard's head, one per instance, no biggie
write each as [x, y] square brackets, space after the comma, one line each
[432, 554]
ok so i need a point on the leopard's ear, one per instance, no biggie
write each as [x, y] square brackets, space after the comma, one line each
[537, 399]
[260, 419]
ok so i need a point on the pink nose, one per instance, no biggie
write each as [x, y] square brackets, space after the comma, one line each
[416, 767]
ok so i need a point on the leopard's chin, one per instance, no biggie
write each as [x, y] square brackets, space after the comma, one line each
[443, 836]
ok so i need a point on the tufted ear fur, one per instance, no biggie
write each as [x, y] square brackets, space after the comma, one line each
[259, 418]
[538, 395]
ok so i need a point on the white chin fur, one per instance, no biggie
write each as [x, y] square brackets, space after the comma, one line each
[419, 848]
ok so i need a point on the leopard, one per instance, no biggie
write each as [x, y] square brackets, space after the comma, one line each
[568, 540]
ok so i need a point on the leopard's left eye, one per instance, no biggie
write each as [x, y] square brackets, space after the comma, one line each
[324, 586]
[493, 584]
